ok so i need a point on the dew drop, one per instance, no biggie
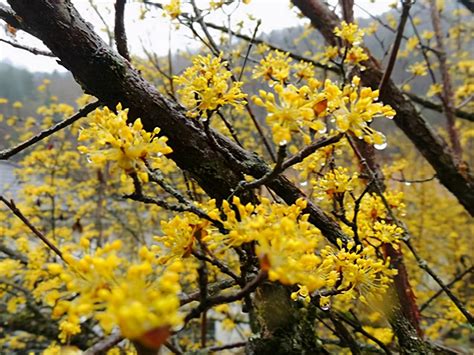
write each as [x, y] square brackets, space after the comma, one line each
[389, 117]
[304, 183]
[88, 158]
[160, 154]
[326, 305]
[380, 146]
[283, 142]
[323, 130]
[407, 183]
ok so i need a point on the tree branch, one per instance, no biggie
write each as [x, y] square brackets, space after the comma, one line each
[8, 153]
[11, 205]
[32, 50]
[396, 44]
[119, 29]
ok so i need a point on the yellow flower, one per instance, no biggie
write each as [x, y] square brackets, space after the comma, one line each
[172, 9]
[125, 145]
[349, 32]
[294, 110]
[17, 104]
[427, 35]
[335, 183]
[418, 69]
[354, 107]
[330, 53]
[434, 89]
[355, 55]
[275, 67]
[205, 87]
[412, 43]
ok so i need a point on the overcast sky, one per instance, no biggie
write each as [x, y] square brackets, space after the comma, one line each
[154, 31]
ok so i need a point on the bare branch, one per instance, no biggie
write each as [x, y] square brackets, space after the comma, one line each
[8, 153]
[33, 50]
[11, 205]
[449, 285]
[119, 29]
[104, 345]
[469, 116]
[447, 87]
[396, 44]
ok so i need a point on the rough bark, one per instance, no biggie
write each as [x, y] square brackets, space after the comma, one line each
[431, 145]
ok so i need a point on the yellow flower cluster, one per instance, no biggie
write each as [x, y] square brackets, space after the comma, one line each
[418, 69]
[349, 32]
[362, 273]
[351, 52]
[205, 87]
[355, 107]
[334, 184]
[126, 146]
[137, 297]
[276, 66]
[297, 109]
[172, 9]
[289, 248]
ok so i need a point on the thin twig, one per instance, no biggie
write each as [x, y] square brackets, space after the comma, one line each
[440, 291]
[277, 169]
[447, 87]
[227, 346]
[396, 44]
[119, 29]
[415, 181]
[7, 153]
[424, 265]
[13, 254]
[212, 290]
[310, 149]
[11, 205]
[358, 328]
[249, 48]
[33, 50]
[221, 299]
[469, 116]
[105, 344]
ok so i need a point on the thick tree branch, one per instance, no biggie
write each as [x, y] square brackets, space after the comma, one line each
[109, 77]
[10, 17]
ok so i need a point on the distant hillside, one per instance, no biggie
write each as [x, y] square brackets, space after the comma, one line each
[18, 84]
